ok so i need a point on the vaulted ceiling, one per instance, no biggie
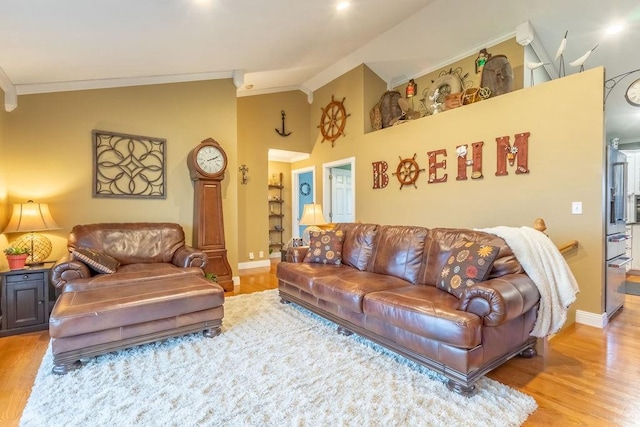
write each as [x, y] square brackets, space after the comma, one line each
[278, 45]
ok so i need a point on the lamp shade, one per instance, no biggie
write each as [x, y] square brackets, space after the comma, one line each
[312, 215]
[30, 216]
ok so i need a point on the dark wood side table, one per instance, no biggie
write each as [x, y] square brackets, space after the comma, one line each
[24, 299]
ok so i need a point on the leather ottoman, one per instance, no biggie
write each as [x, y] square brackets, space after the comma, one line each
[87, 323]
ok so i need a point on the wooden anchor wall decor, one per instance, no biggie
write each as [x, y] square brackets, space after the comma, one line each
[283, 132]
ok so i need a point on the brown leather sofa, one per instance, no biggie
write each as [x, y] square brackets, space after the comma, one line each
[386, 289]
[157, 290]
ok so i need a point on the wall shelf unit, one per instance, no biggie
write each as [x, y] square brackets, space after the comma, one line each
[276, 214]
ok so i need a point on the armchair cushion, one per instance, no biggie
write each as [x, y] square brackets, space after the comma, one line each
[99, 261]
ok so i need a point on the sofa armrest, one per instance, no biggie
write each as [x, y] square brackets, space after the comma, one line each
[501, 299]
[186, 256]
[66, 269]
[296, 254]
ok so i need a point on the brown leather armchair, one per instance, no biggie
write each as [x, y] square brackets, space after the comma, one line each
[126, 284]
[142, 249]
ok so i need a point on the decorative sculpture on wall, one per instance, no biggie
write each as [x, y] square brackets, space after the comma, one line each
[283, 132]
[244, 170]
[128, 166]
[333, 120]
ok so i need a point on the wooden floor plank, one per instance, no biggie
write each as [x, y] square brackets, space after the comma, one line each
[583, 376]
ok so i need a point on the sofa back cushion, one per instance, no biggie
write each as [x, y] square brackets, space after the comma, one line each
[442, 243]
[358, 243]
[129, 243]
[399, 251]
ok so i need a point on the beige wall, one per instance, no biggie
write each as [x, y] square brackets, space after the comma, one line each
[566, 157]
[48, 151]
[258, 118]
[4, 208]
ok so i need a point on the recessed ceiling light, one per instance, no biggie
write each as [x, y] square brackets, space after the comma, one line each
[342, 5]
[615, 28]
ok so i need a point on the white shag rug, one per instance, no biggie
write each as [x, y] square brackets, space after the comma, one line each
[273, 365]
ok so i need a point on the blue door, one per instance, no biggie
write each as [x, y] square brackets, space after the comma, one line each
[305, 194]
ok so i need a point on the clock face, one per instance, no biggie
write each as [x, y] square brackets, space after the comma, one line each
[633, 93]
[210, 159]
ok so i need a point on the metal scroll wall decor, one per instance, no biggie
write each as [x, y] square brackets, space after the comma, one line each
[130, 166]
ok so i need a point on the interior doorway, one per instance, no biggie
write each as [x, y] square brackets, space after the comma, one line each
[339, 190]
[302, 192]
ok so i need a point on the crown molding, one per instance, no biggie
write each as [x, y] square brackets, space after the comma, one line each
[29, 89]
[10, 94]
[268, 90]
[238, 78]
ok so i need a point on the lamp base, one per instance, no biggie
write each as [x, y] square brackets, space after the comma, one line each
[306, 239]
[39, 246]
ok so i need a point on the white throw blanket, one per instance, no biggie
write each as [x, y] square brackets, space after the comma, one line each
[547, 268]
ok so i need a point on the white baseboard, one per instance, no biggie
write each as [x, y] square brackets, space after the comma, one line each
[592, 319]
[254, 264]
[277, 255]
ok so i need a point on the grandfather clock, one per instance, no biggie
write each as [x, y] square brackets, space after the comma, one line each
[207, 163]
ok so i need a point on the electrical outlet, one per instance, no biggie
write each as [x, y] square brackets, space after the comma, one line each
[261, 254]
[576, 208]
[251, 255]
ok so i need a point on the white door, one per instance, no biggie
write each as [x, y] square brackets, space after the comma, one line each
[341, 195]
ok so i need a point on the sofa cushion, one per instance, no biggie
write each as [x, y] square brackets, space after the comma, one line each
[302, 274]
[468, 263]
[349, 287]
[358, 243]
[130, 275]
[325, 247]
[99, 261]
[399, 251]
[425, 311]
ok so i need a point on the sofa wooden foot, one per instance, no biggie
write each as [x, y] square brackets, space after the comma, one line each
[464, 390]
[528, 352]
[211, 332]
[344, 331]
[64, 368]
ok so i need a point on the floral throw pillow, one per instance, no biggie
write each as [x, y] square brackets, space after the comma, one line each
[100, 262]
[468, 264]
[325, 247]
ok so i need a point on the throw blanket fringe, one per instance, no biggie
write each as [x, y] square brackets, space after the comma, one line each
[547, 268]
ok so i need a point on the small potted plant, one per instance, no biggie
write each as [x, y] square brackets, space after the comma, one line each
[16, 257]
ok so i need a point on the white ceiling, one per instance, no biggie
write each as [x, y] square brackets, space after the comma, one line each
[278, 45]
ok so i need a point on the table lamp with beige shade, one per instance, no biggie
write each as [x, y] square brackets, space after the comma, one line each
[313, 217]
[29, 218]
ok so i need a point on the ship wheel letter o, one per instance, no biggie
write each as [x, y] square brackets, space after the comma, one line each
[408, 171]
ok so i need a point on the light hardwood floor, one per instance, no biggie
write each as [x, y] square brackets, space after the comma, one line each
[583, 376]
